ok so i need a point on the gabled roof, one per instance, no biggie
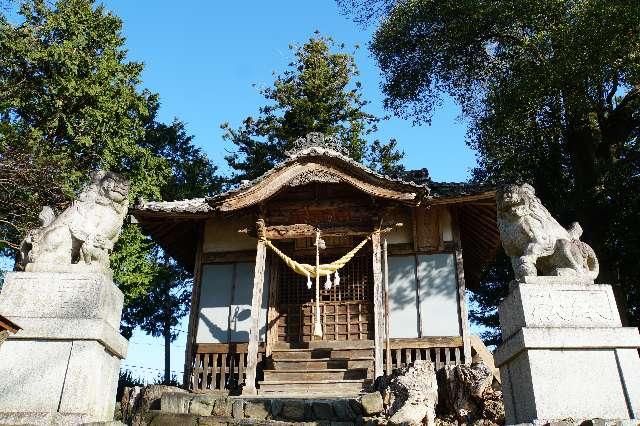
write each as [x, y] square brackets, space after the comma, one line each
[318, 164]
[176, 225]
[315, 158]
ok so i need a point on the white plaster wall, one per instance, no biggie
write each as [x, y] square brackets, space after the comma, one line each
[403, 315]
[438, 295]
[216, 298]
[221, 235]
[446, 230]
[241, 303]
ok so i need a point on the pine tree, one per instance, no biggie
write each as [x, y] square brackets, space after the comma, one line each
[318, 92]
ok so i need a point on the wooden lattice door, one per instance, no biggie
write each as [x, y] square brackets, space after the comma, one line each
[346, 310]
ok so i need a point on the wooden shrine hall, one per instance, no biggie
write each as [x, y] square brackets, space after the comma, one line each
[322, 275]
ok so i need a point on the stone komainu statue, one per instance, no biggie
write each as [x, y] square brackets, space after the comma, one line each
[535, 241]
[85, 232]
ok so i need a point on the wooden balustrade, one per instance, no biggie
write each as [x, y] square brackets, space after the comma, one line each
[440, 350]
[221, 367]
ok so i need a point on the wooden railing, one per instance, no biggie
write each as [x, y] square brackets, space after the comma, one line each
[221, 367]
[440, 350]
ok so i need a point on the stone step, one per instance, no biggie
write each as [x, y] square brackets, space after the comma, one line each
[279, 354]
[326, 344]
[314, 375]
[320, 353]
[350, 353]
[335, 388]
[321, 363]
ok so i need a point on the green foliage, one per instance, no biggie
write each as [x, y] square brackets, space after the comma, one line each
[69, 104]
[135, 270]
[316, 93]
[192, 173]
[166, 300]
[173, 381]
[551, 89]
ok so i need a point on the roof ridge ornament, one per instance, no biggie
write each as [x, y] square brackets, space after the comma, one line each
[316, 140]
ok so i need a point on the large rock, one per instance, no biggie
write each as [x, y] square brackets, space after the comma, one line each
[372, 403]
[293, 410]
[411, 394]
[469, 394]
[256, 410]
[136, 402]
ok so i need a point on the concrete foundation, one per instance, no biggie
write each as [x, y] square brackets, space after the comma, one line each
[565, 354]
[63, 366]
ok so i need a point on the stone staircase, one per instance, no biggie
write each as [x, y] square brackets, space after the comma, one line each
[319, 368]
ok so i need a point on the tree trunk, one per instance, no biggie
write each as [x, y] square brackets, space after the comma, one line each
[167, 353]
[587, 167]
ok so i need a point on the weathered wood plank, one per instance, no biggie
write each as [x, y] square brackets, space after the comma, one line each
[256, 303]
[378, 306]
[272, 311]
[427, 342]
[303, 230]
[488, 195]
[385, 265]
[462, 302]
[225, 348]
[214, 372]
[224, 360]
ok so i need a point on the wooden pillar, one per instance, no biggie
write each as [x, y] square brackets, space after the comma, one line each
[378, 306]
[272, 311]
[385, 265]
[194, 310]
[256, 305]
[462, 301]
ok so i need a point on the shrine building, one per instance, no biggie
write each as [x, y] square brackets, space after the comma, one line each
[394, 259]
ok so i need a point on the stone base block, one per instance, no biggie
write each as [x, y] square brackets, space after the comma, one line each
[76, 379]
[565, 356]
[550, 385]
[572, 304]
[63, 366]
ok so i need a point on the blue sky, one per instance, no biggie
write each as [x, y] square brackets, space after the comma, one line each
[204, 58]
[207, 60]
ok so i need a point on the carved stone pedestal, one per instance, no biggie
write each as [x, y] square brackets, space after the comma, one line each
[62, 367]
[565, 353]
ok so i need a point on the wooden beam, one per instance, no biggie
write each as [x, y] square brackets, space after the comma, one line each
[378, 306]
[489, 195]
[225, 348]
[427, 342]
[303, 230]
[256, 304]
[462, 302]
[194, 310]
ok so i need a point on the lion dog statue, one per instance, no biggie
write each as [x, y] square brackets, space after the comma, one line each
[83, 233]
[536, 242]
